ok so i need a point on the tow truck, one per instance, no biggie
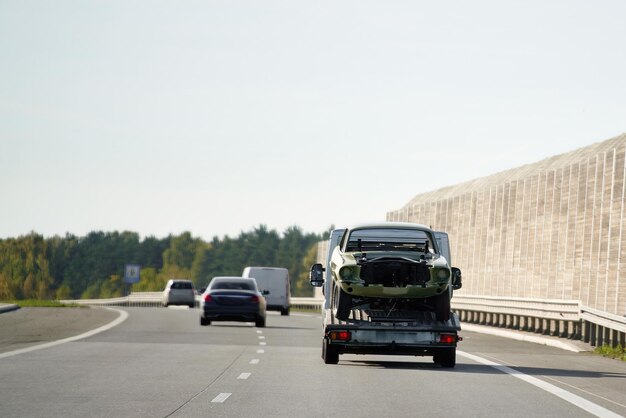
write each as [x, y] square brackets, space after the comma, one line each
[393, 325]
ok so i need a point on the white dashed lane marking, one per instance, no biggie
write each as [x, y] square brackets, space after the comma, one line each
[221, 398]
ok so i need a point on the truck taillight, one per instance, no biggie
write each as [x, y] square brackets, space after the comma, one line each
[340, 335]
[448, 338]
[208, 298]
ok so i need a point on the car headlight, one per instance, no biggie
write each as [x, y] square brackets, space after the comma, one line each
[346, 273]
[443, 274]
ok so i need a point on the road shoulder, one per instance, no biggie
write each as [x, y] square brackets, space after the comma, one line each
[32, 326]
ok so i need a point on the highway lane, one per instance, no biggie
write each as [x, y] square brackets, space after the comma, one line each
[160, 363]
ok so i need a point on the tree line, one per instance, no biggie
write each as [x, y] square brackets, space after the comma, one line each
[71, 267]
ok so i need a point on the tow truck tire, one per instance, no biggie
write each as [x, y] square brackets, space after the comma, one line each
[284, 311]
[442, 307]
[329, 353]
[445, 357]
[342, 303]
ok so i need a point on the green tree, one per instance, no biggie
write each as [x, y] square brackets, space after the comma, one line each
[302, 285]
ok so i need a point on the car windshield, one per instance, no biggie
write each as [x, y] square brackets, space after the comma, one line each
[389, 239]
[232, 284]
[182, 285]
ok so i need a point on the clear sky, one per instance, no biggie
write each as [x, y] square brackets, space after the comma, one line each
[216, 116]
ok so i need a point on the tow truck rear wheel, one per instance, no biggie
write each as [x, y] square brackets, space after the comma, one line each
[445, 357]
[342, 303]
[329, 353]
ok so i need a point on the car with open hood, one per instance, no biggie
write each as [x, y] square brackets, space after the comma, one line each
[392, 266]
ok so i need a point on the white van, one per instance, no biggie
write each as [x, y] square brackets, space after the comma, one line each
[274, 280]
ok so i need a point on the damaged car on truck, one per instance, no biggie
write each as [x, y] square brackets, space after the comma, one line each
[392, 267]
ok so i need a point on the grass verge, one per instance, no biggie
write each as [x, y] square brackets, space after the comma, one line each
[613, 352]
[36, 303]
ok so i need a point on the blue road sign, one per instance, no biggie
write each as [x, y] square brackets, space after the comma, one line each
[131, 273]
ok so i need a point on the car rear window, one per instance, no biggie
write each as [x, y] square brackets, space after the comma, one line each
[233, 285]
[182, 285]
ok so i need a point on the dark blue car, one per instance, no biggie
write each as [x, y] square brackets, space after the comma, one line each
[232, 299]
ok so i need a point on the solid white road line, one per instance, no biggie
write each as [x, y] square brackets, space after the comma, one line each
[254, 361]
[119, 320]
[575, 400]
[244, 376]
[221, 398]
[520, 336]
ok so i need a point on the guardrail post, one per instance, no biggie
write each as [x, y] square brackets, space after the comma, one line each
[593, 328]
[523, 323]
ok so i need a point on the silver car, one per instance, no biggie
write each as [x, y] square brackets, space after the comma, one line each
[179, 292]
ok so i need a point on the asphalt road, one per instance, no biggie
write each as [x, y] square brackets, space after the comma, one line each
[161, 363]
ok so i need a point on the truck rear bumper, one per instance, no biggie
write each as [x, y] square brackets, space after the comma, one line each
[391, 349]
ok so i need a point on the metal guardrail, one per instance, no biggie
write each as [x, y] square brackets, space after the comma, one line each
[563, 318]
[600, 327]
[141, 299]
[153, 299]
[561, 310]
